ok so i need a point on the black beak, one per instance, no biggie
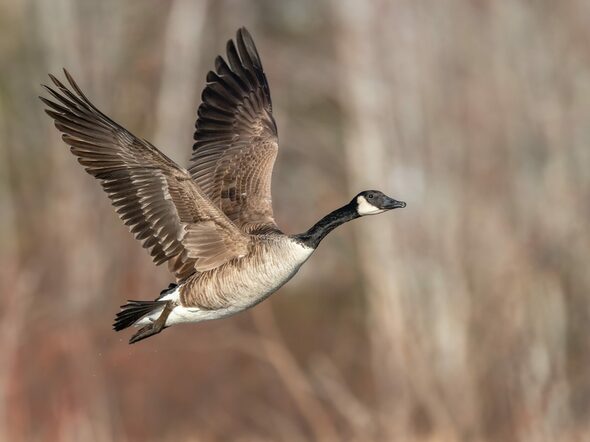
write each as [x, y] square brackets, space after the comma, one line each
[390, 203]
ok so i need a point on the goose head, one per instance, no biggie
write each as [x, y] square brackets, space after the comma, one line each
[369, 202]
[372, 202]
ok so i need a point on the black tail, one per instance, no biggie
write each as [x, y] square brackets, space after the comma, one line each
[133, 311]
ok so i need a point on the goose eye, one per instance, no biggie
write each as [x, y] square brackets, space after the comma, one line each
[370, 196]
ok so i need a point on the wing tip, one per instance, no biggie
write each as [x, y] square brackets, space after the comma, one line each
[243, 31]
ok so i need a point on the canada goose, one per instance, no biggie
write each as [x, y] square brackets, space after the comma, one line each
[212, 223]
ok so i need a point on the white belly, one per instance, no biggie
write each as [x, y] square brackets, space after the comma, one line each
[248, 285]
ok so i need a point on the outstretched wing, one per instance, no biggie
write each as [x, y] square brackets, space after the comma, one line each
[236, 138]
[156, 199]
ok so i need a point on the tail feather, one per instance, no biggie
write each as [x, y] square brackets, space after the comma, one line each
[133, 311]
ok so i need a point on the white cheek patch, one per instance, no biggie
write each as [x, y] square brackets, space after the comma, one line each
[366, 208]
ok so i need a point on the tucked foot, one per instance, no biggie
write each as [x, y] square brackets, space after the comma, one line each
[156, 327]
[144, 332]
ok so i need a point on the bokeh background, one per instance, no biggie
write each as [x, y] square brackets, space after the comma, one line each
[464, 317]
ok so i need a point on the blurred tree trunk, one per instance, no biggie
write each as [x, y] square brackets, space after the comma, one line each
[177, 103]
[367, 159]
[403, 348]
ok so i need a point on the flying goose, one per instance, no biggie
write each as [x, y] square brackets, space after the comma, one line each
[213, 222]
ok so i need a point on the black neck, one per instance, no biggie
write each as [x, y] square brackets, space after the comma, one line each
[313, 236]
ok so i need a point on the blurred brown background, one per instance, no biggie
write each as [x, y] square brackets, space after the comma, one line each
[464, 317]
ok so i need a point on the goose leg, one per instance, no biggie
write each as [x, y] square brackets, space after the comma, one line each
[154, 328]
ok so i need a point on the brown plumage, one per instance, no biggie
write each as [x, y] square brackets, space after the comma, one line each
[214, 225]
[236, 138]
[157, 199]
